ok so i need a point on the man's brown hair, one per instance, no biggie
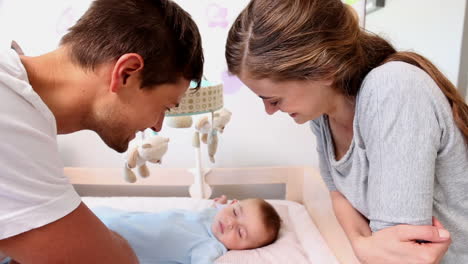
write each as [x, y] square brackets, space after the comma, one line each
[160, 31]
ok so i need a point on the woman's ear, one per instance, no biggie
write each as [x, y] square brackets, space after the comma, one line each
[126, 66]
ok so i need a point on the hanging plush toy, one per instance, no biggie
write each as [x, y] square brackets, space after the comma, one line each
[221, 118]
[209, 133]
[203, 127]
[212, 144]
[151, 149]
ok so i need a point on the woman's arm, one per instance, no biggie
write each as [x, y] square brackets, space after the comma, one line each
[353, 223]
[393, 244]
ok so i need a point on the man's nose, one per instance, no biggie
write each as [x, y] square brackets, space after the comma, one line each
[159, 123]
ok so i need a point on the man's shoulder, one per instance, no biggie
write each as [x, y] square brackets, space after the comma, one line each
[20, 104]
[25, 112]
[11, 66]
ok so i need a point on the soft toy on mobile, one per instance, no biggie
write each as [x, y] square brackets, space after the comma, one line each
[209, 130]
[151, 149]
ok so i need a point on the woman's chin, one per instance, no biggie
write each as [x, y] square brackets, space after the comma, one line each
[300, 120]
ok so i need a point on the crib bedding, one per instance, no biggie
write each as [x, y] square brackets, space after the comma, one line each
[299, 239]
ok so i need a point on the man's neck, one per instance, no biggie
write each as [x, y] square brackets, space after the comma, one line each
[63, 86]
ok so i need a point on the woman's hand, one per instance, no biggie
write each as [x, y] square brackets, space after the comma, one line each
[398, 244]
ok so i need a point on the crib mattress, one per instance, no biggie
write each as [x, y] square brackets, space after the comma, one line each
[299, 239]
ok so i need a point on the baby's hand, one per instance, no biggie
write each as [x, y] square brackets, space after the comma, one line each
[221, 200]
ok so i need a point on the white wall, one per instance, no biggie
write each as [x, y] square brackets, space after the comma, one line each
[463, 75]
[432, 28]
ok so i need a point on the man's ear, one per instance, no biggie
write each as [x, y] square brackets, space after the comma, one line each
[126, 66]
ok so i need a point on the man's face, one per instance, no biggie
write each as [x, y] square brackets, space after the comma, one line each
[119, 117]
[239, 226]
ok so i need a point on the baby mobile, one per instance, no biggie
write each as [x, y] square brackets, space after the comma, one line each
[208, 100]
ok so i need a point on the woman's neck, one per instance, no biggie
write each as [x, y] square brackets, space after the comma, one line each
[342, 112]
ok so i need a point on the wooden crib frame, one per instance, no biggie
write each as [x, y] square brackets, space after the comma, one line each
[303, 185]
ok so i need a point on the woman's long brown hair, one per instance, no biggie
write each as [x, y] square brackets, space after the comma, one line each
[319, 40]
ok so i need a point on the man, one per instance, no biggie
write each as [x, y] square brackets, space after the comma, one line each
[116, 72]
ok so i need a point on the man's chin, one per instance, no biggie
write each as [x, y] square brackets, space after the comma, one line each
[119, 147]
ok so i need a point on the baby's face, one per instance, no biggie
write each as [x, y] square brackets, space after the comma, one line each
[239, 226]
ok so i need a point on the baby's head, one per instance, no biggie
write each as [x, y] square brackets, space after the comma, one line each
[247, 224]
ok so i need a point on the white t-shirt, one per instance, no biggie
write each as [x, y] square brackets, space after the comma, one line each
[33, 188]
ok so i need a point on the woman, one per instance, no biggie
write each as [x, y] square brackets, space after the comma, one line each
[391, 130]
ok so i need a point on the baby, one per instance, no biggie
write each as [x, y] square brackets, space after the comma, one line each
[182, 236]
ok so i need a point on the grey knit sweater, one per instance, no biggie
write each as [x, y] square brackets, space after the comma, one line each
[407, 161]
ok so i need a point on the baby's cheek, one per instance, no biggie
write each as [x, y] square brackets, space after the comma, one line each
[230, 239]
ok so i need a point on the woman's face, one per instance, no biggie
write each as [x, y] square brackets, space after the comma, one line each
[303, 100]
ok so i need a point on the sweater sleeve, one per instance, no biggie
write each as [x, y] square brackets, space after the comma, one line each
[401, 135]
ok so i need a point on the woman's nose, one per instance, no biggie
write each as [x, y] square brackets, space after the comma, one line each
[270, 109]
